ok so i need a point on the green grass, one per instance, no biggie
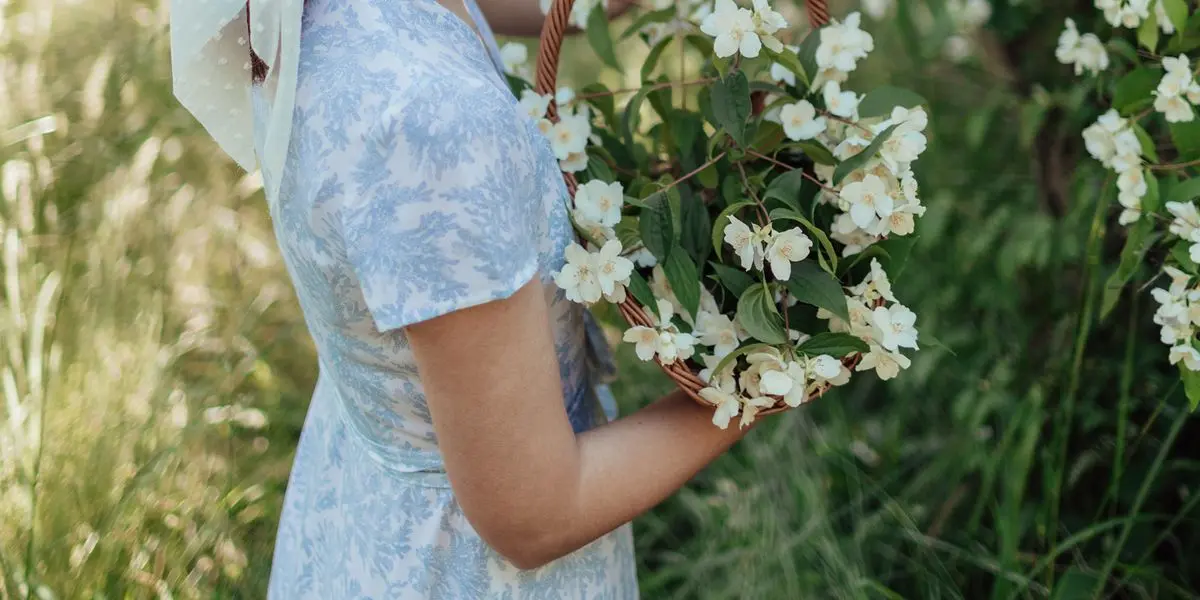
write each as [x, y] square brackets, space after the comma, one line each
[155, 369]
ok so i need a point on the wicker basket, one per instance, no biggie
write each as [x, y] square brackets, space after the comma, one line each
[546, 83]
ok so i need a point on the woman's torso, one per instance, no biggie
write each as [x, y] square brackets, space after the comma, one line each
[413, 187]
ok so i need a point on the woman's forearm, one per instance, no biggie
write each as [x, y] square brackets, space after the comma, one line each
[628, 466]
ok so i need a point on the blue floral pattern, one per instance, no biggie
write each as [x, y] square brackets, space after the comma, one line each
[414, 187]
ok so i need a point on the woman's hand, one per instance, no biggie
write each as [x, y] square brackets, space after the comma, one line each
[532, 489]
[524, 18]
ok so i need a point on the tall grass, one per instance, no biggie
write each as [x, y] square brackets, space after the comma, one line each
[142, 316]
[155, 368]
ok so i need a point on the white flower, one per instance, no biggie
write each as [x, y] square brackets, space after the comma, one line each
[1179, 280]
[1187, 220]
[887, 365]
[1176, 108]
[1186, 353]
[570, 135]
[578, 277]
[781, 73]
[1132, 188]
[750, 246]
[895, 324]
[665, 339]
[877, 9]
[1164, 20]
[534, 104]
[600, 202]
[1086, 52]
[875, 285]
[785, 248]
[644, 340]
[800, 120]
[612, 269]
[643, 258]
[727, 403]
[868, 200]
[760, 363]
[733, 29]
[766, 23]
[827, 369]
[718, 331]
[514, 56]
[841, 103]
[843, 44]
[901, 149]
[845, 232]
[574, 162]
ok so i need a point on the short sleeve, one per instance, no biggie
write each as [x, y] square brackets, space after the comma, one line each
[444, 214]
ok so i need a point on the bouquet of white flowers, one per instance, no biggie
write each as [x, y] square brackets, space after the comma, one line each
[747, 239]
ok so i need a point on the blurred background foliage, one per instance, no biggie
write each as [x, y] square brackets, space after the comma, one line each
[155, 368]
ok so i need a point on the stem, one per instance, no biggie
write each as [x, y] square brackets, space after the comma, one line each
[650, 88]
[830, 115]
[694, 172]
[1084, 324]
[1123, 400]
[1175, 166]
[1141, 496]
[803, 173]
[764, 218]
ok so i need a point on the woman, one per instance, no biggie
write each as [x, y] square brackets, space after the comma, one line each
[455, 446]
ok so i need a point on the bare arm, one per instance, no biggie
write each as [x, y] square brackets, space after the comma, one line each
[523, 18]
[532, 489]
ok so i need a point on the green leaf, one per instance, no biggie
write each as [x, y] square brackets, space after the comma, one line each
[813, 286]
[600, 37]
[709, 177]
[767, 138]
[1137, 242]
[731, 104]
[718, 230]
[880, 101]
[1191, 386]
[1134, 89]
[1185, 191]
[660, 98]
[836, 345]
[696, 227]
[735, 280]
[759, 316]
[813, 230]
[808, 52]
[687, 129]
[684, 279]
[627, 232]
[1153, 198]
[517, 85]
[1183, 258]
[602, 100]
[736, 354]
[596, 167]
[1146, 142]
[786, 187]
[1186, 137]
[641, 292]
[633, 116]
[1033, 115]
[898, 248]
[1147, 34]
[791, 61]
[816, 151]
[655, 54]
[859, 160]
[1177, 13]
[656, 224]
[1075, 584]
[646, 18]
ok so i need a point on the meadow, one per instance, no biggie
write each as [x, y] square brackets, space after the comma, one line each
[155, 368]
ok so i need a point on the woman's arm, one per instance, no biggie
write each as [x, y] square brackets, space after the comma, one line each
[523, 18]
[532, 489]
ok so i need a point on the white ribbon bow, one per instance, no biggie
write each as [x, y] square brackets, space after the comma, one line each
[211, 72]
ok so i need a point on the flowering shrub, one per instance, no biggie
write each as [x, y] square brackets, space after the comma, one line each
[1150, 140]
[753, 213]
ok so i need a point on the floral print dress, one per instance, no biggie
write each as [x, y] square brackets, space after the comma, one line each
[414, 187]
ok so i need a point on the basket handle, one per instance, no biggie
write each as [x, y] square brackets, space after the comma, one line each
[555, 28]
